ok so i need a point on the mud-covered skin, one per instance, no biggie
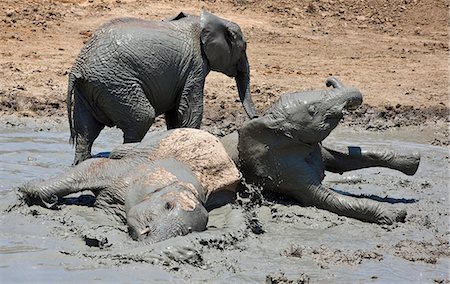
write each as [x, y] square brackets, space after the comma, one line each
[281, 151]
[133, 70]
[159, 187]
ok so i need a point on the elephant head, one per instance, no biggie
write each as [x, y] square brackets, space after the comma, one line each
[225, 49]
[309, 117]
[165, 203]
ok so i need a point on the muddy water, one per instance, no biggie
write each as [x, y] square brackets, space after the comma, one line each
[291, 242]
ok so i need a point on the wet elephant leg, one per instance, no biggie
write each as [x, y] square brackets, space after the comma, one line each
[92, 174]
[359, 208]
[301, 180]
[356, 158]
[363, 209]
[172, 119]
[87, 129]
[133, 114]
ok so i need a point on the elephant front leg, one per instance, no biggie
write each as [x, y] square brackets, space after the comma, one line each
[356, 158]
[88, 175]
[190, 107]
[43, 192]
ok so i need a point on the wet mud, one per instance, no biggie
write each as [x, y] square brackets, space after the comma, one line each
[260, 238]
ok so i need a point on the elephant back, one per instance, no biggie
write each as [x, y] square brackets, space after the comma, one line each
[202, 152]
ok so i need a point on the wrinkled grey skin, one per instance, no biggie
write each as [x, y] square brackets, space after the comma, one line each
[281, 151]
[125, 184]
[133, 70]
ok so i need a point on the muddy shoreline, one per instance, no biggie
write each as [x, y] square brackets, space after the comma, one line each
[366, 117]
[260, 238]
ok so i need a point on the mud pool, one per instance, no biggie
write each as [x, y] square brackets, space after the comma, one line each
[262, 238]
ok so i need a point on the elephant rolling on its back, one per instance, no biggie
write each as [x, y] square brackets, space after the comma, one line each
[133, 70]
[281, 151]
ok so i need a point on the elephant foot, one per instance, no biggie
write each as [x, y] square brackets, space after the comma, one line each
[406, 163]
[79, 159]
[33, 196]
[390, 216]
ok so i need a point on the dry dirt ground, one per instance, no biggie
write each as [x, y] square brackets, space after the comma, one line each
[395, 52]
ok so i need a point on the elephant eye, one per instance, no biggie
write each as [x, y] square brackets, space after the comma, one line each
[168, 206]
[312, 110]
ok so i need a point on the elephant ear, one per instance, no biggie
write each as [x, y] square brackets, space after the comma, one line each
[222, 42]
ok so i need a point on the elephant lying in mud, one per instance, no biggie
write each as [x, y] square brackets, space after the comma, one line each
[133, 70]
[281, 151]
[160, 187]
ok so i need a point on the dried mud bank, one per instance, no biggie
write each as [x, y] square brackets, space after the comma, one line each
[374, 119]
[292, 46]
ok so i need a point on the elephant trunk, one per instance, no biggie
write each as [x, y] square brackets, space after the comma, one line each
[348, 97]
[243, 86]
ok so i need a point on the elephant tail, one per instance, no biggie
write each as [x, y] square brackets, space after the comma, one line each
[69, 102]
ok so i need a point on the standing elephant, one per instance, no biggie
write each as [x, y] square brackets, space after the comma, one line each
[133, 70]
[281, 151]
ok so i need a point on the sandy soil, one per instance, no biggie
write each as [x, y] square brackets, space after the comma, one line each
[396, 52]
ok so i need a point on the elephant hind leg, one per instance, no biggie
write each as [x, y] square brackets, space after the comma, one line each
[87, 128]
[130, 111]
[172, 119]
[359, 208]
[356, 158]
[135, 128]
